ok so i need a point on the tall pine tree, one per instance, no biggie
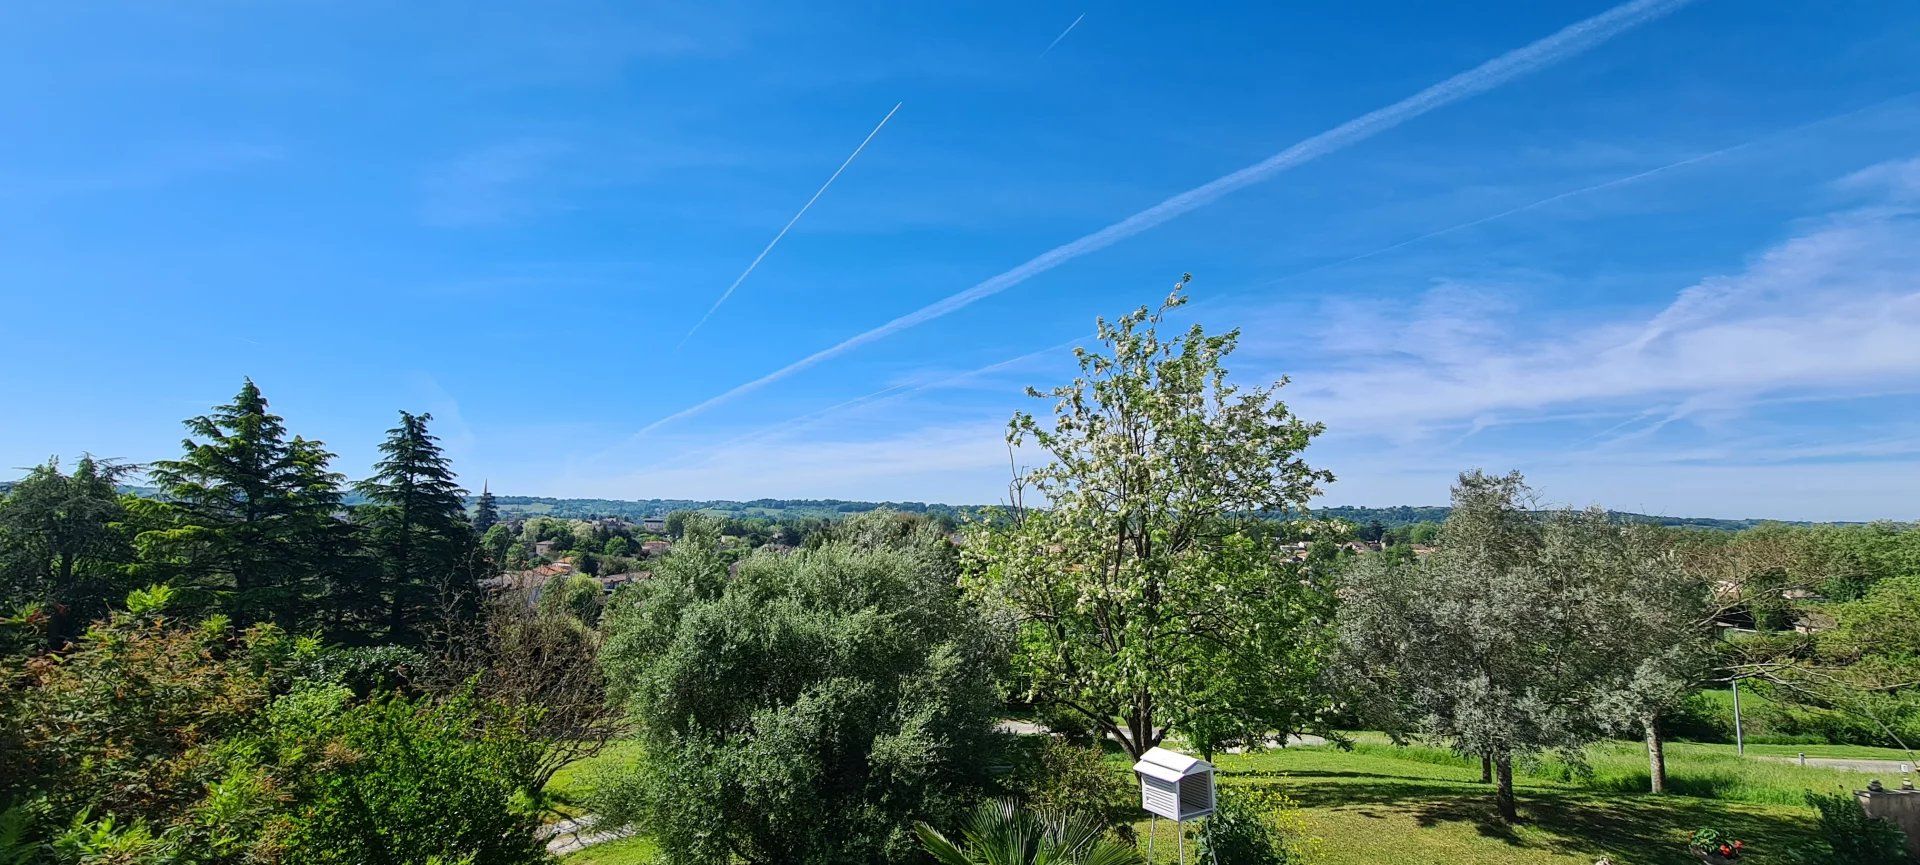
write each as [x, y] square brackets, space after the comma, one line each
[63, 542]
[254, 514]
[416, 518]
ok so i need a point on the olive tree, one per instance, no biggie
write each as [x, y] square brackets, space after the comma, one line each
[1506, 641]
[1148, 592]
[809, 709]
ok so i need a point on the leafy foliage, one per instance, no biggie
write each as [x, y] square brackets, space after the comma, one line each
[1849, 836]
[807, 709]
[64, 542]
[1253, 827]
[1150, 596]
[160, 740]
[1505, 640]
[1002, 833]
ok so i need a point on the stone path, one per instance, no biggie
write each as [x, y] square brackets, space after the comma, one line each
[568, 836]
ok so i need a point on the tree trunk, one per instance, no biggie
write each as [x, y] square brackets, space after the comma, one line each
[1486, 768]
[1503, 796]
[1656, 755]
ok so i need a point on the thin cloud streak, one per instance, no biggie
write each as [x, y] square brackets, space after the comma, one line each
[788, 227]
[1597, 187]
[1063, 33]
[1572, 40]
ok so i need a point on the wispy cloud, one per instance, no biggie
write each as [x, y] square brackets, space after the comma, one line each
[1507, 67]
[1063, 34]
[1833, 309]
[489, 186]
[788, 227]
[142, 167]
[1905, 173]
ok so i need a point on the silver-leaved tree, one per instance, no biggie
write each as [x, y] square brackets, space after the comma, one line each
[1139, 559]
[1527, 630]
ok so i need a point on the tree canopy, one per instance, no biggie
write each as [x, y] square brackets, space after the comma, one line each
[1148, 592]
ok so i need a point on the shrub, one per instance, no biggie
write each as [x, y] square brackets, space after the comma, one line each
[1072, 778]
[1253, 827]
[1068, 724]
[807, 710]
[397, 780]
[155, 740]
[1849, 837]
[365, 670]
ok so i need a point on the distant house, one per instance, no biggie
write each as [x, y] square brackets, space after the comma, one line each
[656, 525]
[656, 548]
[543, 548]
[610, 582]
[531, 581]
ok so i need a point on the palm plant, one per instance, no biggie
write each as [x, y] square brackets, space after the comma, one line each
[1003, 833]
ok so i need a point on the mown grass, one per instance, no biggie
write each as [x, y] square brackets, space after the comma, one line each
[1417, 805]
[568, 789]
[1390, 806]
[1702, 771]
[626, 851]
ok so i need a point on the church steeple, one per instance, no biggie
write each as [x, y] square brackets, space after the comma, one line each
[485, 513]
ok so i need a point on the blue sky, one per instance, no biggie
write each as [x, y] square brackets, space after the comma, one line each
[1669, 262]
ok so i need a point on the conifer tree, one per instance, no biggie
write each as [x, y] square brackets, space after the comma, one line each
[417, 521]
[63, 542]
[254, 513]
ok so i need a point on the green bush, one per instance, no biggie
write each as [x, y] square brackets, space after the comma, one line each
[1849, 837]
[154, 741]
[1252, 827]
[364, 670]
[397, 780]
[807, 710]
[1069, 778]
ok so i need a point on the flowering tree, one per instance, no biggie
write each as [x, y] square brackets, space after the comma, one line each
[1147, 588]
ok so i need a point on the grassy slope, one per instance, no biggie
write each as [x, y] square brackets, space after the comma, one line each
[1378, 808]
[1419, 805]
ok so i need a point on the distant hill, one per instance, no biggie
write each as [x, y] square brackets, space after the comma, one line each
[776, 508]
[1401, 515]
[634, 509]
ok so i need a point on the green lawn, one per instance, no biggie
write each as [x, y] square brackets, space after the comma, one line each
[1699, 770]
[626, 851]
[1382, 804]
[1372, 808]
[571, 784]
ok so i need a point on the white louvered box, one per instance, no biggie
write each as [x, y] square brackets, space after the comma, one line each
[1174, 785]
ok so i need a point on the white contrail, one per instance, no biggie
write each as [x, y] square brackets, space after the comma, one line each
[785, 228]
[1063, 33]
[1574, 39]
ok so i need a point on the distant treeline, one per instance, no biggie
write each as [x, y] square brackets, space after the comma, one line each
[634, 509]
[1390, 517]
[1402, 515]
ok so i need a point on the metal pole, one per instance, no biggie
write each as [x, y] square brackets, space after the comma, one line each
[1180, 838]
[1739, 739]
[1153, 826]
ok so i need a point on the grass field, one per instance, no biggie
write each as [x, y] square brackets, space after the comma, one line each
[1425, 806]
[571, 784]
